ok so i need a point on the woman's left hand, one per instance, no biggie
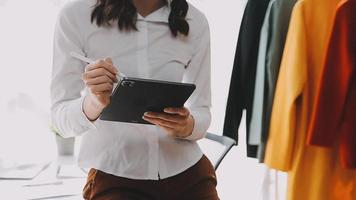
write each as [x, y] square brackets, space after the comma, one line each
[177, 122]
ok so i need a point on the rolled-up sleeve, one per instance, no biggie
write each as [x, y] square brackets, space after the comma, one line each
[66, 84]
[198, 72]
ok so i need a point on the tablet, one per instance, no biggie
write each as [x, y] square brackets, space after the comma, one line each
[133, 97]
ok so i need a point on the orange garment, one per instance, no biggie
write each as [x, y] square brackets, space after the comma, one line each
[314, 173]
[335, 115]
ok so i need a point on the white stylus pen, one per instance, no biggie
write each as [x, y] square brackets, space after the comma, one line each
[89, 61]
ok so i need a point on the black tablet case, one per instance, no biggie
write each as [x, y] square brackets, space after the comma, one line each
[133, 97]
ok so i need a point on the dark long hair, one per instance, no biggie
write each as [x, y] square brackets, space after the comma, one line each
[125, 13]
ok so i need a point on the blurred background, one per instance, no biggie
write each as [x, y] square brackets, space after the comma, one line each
[25, 71]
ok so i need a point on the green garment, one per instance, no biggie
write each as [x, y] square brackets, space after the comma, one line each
[272, 39]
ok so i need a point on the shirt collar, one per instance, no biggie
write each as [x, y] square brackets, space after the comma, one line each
[160, 15]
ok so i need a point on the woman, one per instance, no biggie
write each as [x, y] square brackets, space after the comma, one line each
[152, 39]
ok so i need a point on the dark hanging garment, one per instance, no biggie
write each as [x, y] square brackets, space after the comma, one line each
[334, 119]
[272, 40]
[244, 71]
[256, 124]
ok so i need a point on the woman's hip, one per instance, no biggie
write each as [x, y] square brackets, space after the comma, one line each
[197, 182]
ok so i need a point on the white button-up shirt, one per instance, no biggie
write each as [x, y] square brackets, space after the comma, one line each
[131, 150]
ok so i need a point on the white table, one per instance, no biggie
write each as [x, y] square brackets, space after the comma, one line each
[48, 185]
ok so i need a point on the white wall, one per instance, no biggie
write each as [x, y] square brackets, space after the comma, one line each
[224, 17]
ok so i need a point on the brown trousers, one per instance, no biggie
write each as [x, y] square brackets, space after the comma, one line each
[196, 183]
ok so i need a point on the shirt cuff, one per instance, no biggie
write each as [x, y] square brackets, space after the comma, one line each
[77, 106]
[200, 129]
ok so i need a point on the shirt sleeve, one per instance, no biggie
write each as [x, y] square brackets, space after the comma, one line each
[334, 86]
[66, 84]
[198, 72]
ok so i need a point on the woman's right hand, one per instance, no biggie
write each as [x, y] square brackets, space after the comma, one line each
[99, 77]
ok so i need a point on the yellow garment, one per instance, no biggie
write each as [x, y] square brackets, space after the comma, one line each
[314, 173]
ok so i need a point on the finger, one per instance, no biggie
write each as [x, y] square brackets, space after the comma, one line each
[102, 63]
[104, 87]
[180, 111]
[99, 80]
[99, 72]
[169, 131]
[161, 122]
[107, 64]
[108, 60]
[167, 117]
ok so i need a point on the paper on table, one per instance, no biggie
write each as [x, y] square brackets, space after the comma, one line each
[68, 188]
[22, 171]
[70, 171]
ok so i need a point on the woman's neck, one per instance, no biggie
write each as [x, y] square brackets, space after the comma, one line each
[146, 7]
